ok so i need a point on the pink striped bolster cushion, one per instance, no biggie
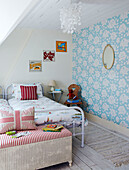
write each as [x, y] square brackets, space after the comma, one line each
[17, 120]
[28, 92]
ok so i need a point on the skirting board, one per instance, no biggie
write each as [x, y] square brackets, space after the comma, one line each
[107, 124]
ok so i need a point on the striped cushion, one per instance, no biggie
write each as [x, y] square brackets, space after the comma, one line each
[28, 92]
[17, 120]
[16, 90]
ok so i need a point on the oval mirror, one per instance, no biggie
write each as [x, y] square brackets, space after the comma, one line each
[108, 56]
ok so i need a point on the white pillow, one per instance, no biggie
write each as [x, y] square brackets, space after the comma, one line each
[39, 90]
[16, 90]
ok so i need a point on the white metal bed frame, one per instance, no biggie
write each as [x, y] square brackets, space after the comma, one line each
[69, 108]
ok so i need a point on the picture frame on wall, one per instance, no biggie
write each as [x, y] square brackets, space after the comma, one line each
[48, 55]
[35, 65]
[61, 46]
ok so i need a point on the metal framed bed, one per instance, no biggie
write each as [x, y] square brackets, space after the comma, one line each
[8, 95]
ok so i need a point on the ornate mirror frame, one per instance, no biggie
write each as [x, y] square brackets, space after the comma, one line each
[108, 45]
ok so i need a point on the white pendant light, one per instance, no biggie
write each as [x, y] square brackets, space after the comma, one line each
[70, 17]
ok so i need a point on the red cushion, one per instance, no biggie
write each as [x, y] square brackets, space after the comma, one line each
[28, 92]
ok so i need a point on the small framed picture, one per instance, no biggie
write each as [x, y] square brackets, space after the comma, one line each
[48, 55]
[61, 46]
[35, 65]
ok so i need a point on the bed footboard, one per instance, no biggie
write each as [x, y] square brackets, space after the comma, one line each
[82, 121]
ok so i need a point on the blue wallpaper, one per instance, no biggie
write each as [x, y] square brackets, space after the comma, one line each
[105, 93]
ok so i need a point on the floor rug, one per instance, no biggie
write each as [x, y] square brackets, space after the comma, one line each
[111, 146]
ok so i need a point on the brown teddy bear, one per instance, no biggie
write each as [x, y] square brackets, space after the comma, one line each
[72, 95]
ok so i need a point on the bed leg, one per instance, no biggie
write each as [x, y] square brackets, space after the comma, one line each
[70, 163]
[82, 143]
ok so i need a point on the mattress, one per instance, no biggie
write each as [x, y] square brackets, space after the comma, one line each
[3, 102]
[42, 104]
[35, 136]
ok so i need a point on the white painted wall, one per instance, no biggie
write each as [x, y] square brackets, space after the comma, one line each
[24, 45]
[11, 14]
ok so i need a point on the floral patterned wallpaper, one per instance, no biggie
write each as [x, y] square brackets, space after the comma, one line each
[105, 93]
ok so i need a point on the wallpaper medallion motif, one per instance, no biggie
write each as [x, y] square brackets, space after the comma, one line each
[105, 91]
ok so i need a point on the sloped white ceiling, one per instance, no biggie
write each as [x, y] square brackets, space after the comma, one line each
[11, 13]
[46, 14]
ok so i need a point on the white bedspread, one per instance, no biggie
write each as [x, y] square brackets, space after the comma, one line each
[43, 104]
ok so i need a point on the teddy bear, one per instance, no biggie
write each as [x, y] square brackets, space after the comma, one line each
[72, 95]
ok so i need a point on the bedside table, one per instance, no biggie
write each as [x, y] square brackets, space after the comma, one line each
[53, 93]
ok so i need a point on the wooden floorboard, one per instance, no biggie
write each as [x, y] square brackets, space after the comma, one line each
[83, 157]
[90, 157]
[80, 163]
[95, 157]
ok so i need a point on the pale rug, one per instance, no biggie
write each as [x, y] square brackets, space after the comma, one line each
[111, 146]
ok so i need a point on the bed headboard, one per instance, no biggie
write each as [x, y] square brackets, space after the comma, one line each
[1, 92]
[8, 91]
